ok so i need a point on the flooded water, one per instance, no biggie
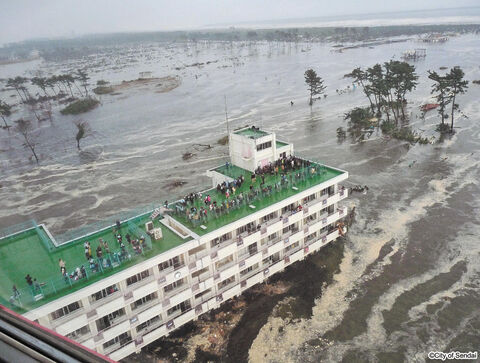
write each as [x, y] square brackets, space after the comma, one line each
[408, 282]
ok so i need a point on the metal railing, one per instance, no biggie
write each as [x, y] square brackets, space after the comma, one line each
[30, 296]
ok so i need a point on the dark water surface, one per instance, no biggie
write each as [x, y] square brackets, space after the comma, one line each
[408, 282]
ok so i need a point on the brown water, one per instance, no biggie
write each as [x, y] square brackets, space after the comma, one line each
[408, 281]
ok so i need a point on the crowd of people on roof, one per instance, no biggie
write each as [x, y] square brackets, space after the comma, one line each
[198, 207]
[104, 258]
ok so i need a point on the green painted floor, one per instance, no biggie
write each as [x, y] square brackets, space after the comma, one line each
[24, 253]
[252, 133]
[214, 222]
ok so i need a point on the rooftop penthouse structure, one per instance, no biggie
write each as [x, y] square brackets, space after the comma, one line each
[143, 276]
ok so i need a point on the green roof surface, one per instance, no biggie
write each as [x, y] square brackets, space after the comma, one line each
[25, 253]
[280, 143]
[250, 132]
[214, 222]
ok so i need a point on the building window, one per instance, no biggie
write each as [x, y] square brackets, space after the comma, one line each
[309, 198]
[104, 293]
[248, 269]
[174, 285]
[216, 241]
[271, 259]
[110, 319]
[226, 282]
[292, 246]
[150, 322]
[203, 293]
[310, 237]
[79, 332]
[310, 218]
[66, 310]
[252, 249]
[121, 340]
[249, 227]
[144, 300]
[138, 277]
[223, 261]
[183, 306]
[176, 262]
[269, 217]
[292, 227]
[288, 208]
[264, 145]
[272, 236]
[199, 272]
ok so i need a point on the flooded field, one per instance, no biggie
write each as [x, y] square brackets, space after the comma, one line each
[405, 280]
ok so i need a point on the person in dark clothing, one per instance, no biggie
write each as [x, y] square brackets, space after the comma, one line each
[118, 225]
[29, 280]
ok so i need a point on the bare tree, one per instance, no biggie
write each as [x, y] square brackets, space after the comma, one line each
[25, 128]
[83, 130]
[5, 111]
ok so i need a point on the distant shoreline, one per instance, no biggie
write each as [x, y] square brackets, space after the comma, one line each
[67, 48]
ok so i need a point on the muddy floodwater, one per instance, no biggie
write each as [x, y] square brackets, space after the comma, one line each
[406, 279]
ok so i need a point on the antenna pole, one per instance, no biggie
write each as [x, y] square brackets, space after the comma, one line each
[226, 114]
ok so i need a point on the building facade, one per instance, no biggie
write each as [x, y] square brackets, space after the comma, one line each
[123, 312]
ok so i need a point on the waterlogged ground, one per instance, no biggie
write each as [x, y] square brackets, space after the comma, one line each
[407, 281]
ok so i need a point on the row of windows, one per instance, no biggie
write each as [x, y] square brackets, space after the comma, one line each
[143, 301]
[138, 277]
[104, 293]
[68, 309]
[264, 145]
[120, 340]
[178, 261]
[252, 227]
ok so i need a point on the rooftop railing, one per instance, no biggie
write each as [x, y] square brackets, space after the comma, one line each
[41, 291]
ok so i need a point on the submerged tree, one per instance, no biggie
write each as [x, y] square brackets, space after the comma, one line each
[457, 85]
[360, 77]
[315, 85]
[400, 78]
[83, 131]
[83, 77]
[25, 128]
[41, 82]
[5, 111]
[440, 90]
[19, 84]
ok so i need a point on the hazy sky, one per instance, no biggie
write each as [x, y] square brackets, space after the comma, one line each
[23, 19]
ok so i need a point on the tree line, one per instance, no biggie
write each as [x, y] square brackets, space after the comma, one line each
[386, 87]
[52, 88]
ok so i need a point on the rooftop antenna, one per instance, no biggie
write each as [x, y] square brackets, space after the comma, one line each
[226, 115]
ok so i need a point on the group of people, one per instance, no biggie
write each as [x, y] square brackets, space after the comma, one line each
[103, 258]
[32, 283]
[198, 207]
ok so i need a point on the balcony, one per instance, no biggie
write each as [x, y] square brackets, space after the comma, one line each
[141, 283]
[140, 309]
[118, 327]
[151, 327]
[120, 350]
[205, 298]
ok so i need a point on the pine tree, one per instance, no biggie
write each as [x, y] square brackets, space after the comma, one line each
[315, 85]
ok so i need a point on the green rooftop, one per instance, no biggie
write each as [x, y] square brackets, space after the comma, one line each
[294, 185]
[280, 144]
[252, 132]
[32, 252]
